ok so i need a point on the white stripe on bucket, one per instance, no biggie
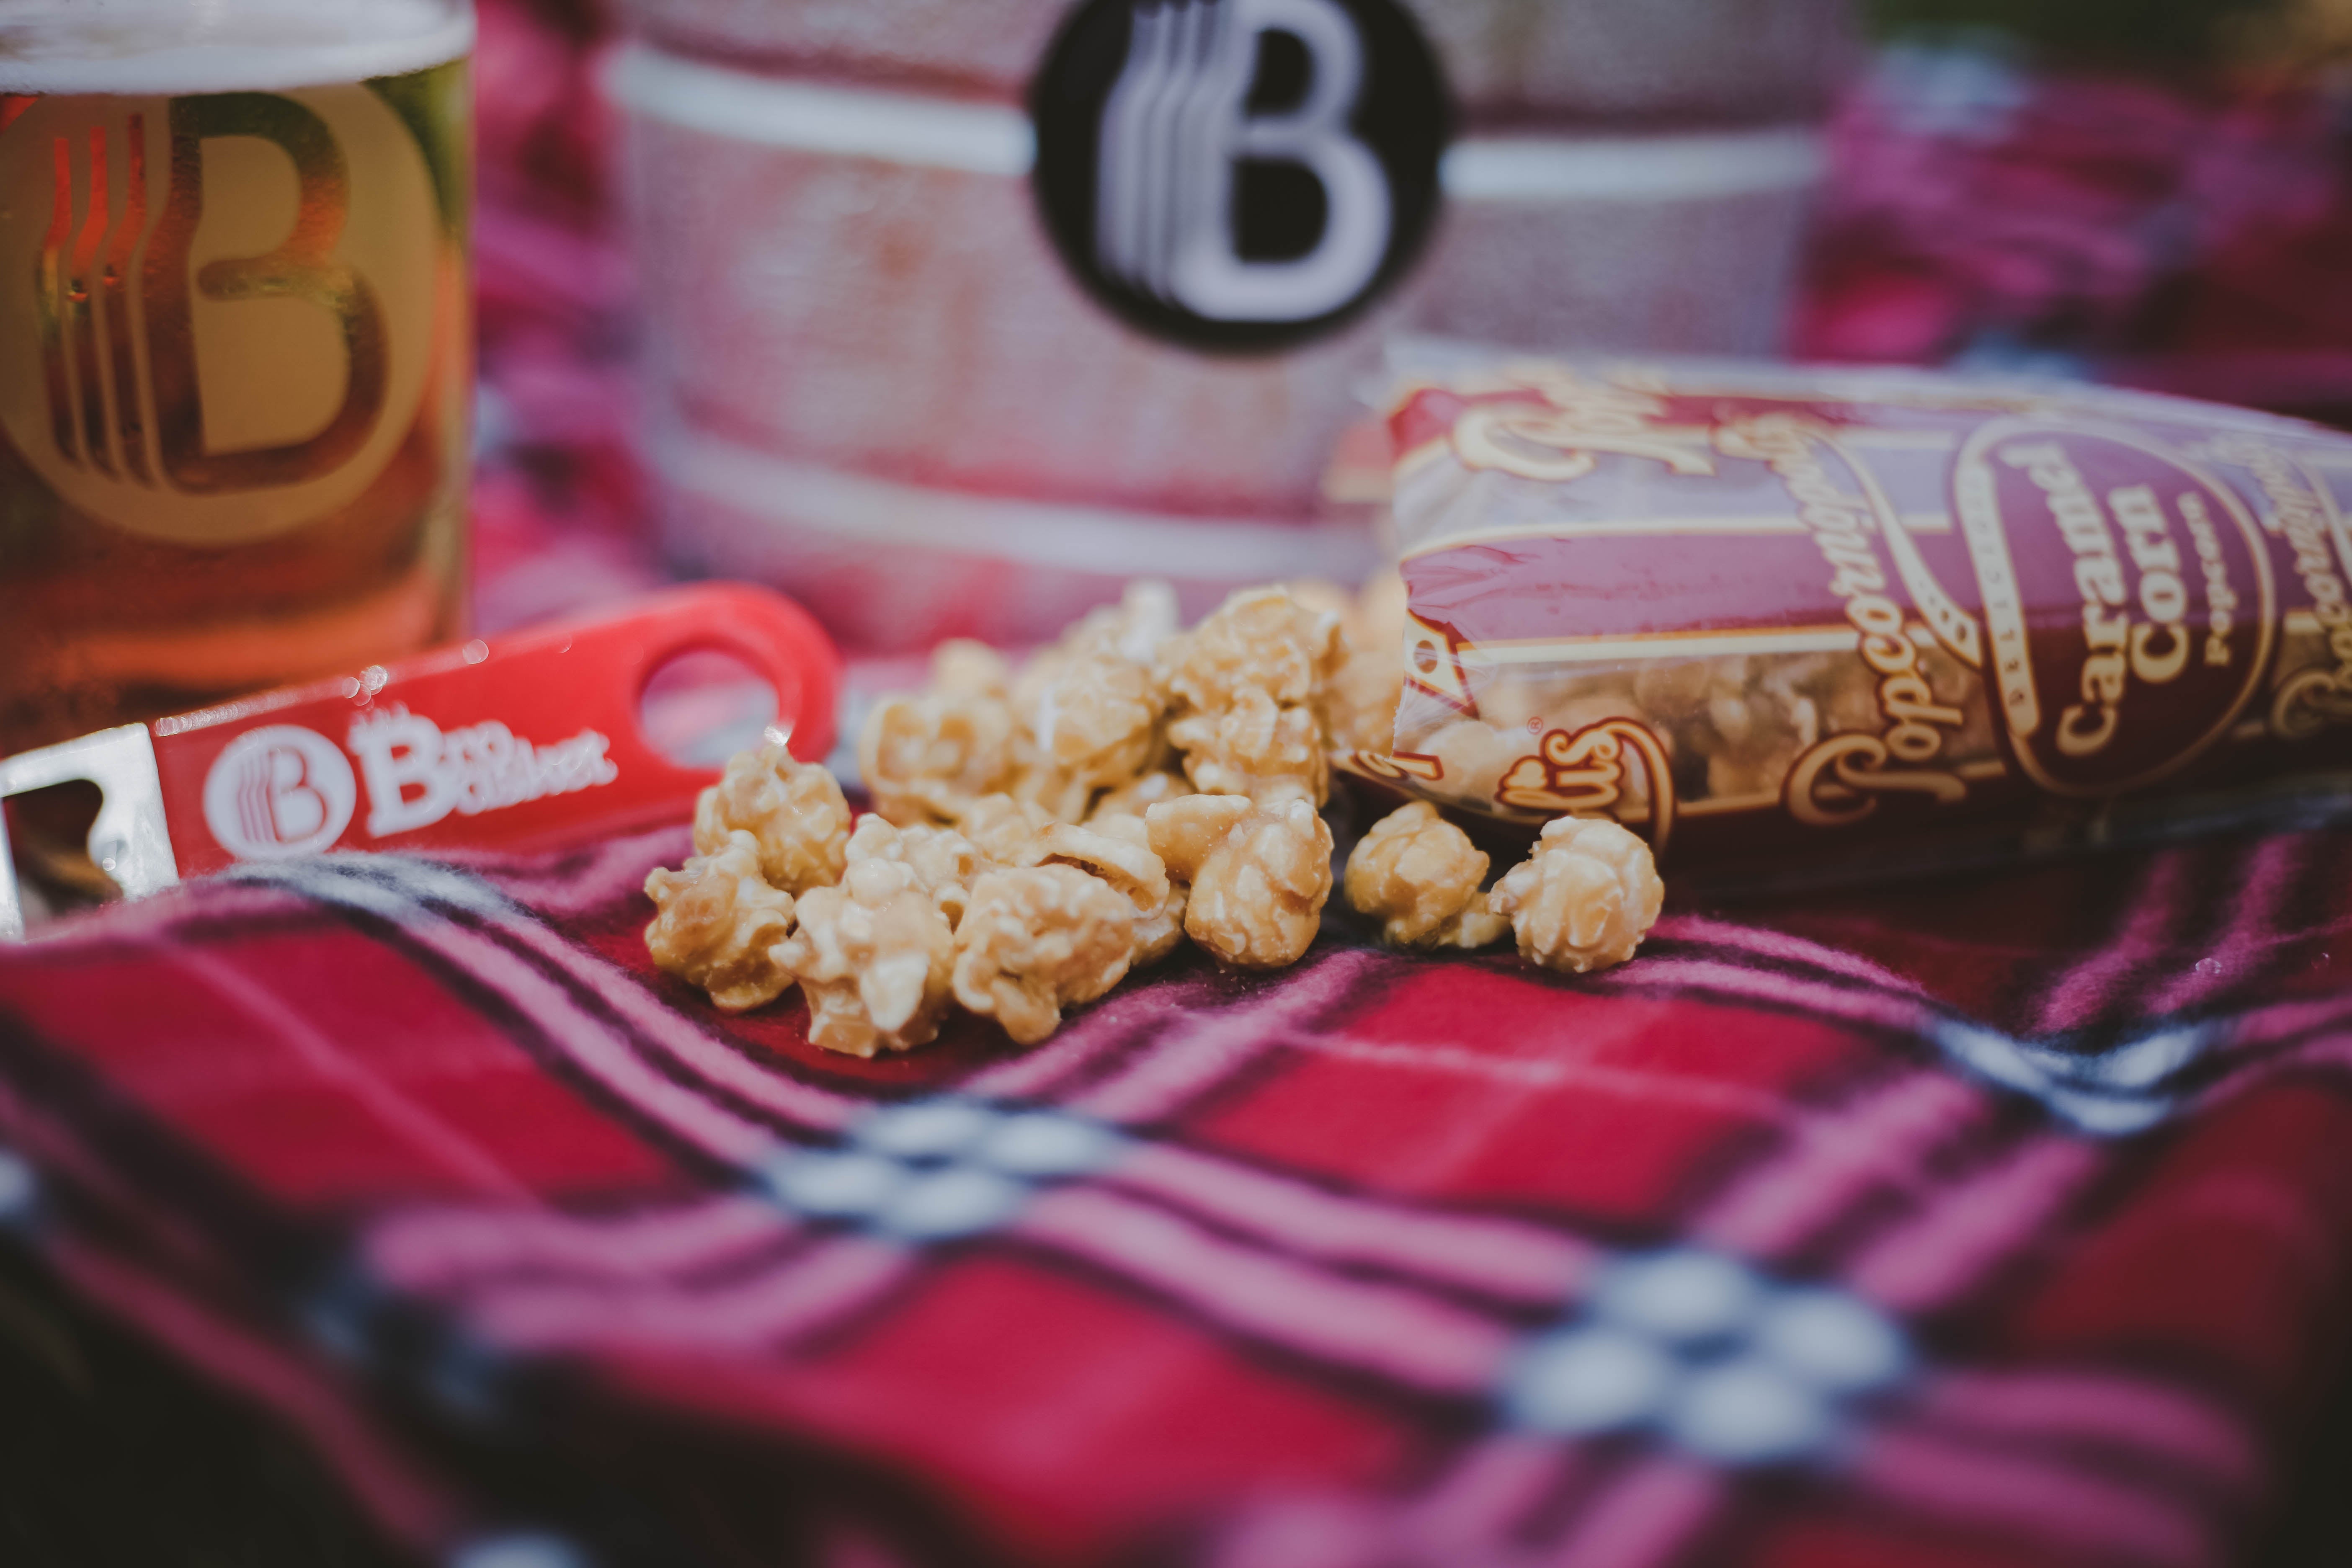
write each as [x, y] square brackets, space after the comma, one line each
[811, 117]
[1088, 539]
[996, 139]
[1694, 166]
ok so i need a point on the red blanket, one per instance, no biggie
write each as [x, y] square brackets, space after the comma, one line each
[1992, 1222]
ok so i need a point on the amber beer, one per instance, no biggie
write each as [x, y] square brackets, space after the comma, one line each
[235, 354]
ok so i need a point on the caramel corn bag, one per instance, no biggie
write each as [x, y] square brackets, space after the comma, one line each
[1790, 621]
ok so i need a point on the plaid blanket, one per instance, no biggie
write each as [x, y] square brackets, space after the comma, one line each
[1993, 1221]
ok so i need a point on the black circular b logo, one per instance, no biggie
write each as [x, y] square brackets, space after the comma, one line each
[1238, 174]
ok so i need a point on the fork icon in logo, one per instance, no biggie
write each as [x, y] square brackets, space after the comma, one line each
[112, 295]
[1176, 127]
[90, 372]
[77, 296]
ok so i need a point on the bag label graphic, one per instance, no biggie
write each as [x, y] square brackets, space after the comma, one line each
[1238, 173]
[222, 332]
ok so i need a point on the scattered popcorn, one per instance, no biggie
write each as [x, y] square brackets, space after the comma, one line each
[1259, 874]
[1584, 899]
[1036, 940]
[1186, 831]
[1141, 795]
[1136, 628]
[926, 759]
[874, 957]
[963, 668]
[794, 811]
[1359, 707]
[1258, 639]
[1005, 829]
[1096, 726]
[1091, 705]
[1419, 875]
[944, 861]
[1474, 757]
[1117, 850]
[1321, 596]
[1254, 748]
[1034, 840]
[719, 918]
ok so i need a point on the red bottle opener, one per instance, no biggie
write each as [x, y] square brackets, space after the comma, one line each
[513, 742]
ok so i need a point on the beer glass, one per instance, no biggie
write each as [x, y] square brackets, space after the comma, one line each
[235, 349]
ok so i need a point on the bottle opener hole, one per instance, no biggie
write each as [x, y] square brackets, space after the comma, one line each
[48, 834]
[701, 707]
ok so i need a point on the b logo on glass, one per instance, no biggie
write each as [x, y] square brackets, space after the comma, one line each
[222, 326]
[1238, 173]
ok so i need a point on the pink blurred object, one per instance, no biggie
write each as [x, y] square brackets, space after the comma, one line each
[2187, 238]
[869, 380]
[559, 507]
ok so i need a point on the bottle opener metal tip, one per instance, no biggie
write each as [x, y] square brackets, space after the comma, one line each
[131, 841]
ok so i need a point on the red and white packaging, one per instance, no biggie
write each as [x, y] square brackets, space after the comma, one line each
[541, 736]
[1780, 620]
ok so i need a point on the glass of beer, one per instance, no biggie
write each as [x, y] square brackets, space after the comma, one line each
[235, 347]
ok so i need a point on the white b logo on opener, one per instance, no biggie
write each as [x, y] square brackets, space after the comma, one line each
[279, 792]
[1174, 130]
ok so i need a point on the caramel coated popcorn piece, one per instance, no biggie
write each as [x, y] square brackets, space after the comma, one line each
[1184, 833]
[874, 957]
[1036, 940]
[1255, 748]
[945, 863]
[1359, 707]
[1678, 692]
[1474, 757]
[1117, 850]
[1135, 630]
[1136, 627]
[1091, 705]
[1004, 829]
[1139, 795]
[719, 920]
[1419, 875]
[1753, 734]
[1259, 638]
[1584, 899]
[1321, 596]
[1845, 690]
[1530, 704]
[926, 759]
[1259, 874]
[794, 811]
[1096, 726]
[964, 667]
